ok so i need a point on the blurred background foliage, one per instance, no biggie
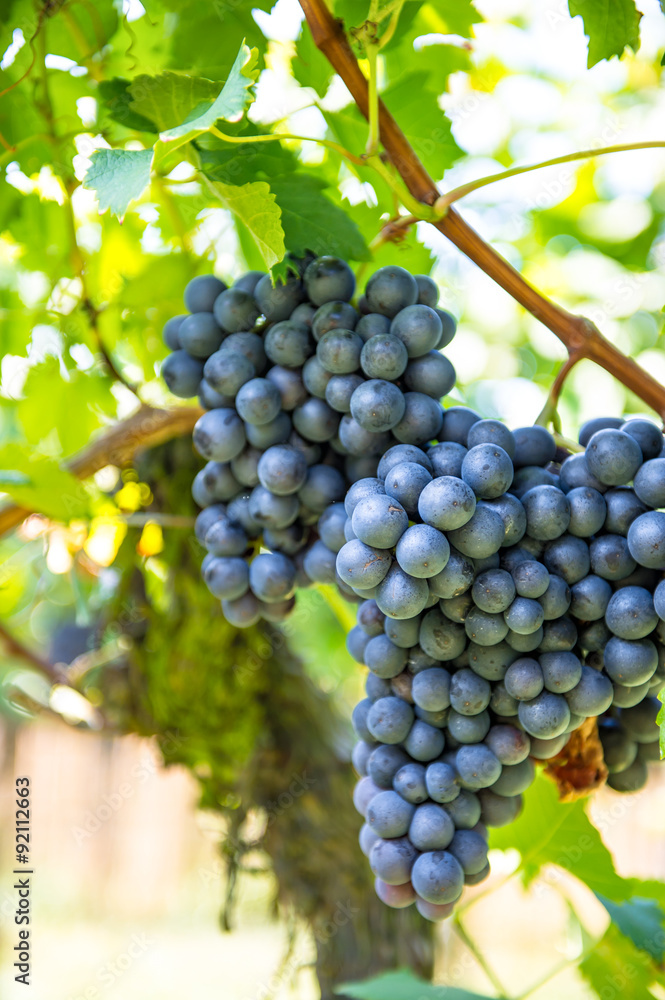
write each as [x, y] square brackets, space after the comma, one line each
[99, 576]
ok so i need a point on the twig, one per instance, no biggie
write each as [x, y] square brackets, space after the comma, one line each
[579, 334]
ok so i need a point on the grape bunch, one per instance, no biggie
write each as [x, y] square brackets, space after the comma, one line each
[510, 591]
[303, 393]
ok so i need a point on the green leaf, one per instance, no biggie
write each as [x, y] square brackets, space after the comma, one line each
[118, 176]
[610, 25]
[642, 921]
[170, 98]
[312, 222]
[459, 16]
[255, 206]
[78, 31]
[416, 109]
[116, 97]
[50, 489]
[660, 719]
[550, 832]
[86, 395]
[309, 66]
[403, 985]
[230, 104]
[616, 968]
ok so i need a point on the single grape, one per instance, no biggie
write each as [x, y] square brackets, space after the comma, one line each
[648, 436]
[329, 279]
[422, 551]
[622, 509]
[646, 539]
[219, 435]
[377, 405]
[545, 716]
[235, 310]
[248, 282]
[273, 511]
[392, 860]
[391, 289]
[409, 782]
[258, 401]
[170, 332]
[508, 744]
[315, 420]
[390, 719]
[227, 577]
[439, 638]
[533, 446]
[331, 316]
[630, 661]
[481, 536]
[613, 456]
[384, 356]
[243, 612]
[288, 344]
[276, 431]
[438, 877]
[421, 421]
[389, 815]
[477, 766]
[395, 896]
[431, 827]
[379, 520]
[182, 374]
[455, 579]
[384, 658]
[592, 695]
[631, 614]
[457, 422]
[524, 679]
[278, 302]
[384, 762]
[488, 470]
[399, 595]
[446, 458]
[575, 473]
[201, 292]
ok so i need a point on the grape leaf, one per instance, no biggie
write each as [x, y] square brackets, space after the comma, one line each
[641, 920]
[423, 121]
[309, 66]
[116, 98]
[617, 968]
[312, 222]
[169, 98]
[550, 832]
[255, 206]
[239, 163]
[403, 985]
[660, 719]
[610, 25]
[459, 16]
[49, 489]
[230, 104]
[118, 176]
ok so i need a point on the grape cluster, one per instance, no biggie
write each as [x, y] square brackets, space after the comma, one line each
[303, 393]
[510, 591]
[507, 590]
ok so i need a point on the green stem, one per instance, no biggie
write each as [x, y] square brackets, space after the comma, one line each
[277, 136]
[418, 209]
[549, 413]
[372, 52]
[478, 955]
[446, 200]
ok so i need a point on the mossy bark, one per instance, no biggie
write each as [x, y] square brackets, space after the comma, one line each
[237, 708]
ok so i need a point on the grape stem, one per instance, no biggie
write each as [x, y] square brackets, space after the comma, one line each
[579, 334]
[549, 413]
[373, 141]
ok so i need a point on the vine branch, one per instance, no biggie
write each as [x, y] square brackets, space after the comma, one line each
[580, 335]
[146, 428]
